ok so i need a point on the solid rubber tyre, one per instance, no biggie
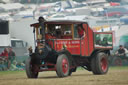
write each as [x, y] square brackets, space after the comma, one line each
[30, 69]
[62, 66]
[99, 64]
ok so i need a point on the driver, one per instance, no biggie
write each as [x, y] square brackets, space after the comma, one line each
[81, 31]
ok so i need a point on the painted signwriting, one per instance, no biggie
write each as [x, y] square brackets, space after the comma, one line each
[72, 46]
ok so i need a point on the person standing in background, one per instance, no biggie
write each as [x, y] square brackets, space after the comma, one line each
[5, 58]
[11, 55]
[5, 53]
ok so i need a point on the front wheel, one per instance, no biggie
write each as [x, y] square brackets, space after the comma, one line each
[99, 64]
[31, 69]
[62, 66]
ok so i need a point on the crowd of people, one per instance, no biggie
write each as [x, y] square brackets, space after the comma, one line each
[7, 57]
[8, 61]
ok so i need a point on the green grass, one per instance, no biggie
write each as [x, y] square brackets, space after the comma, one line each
[10, 72]
[119, 67]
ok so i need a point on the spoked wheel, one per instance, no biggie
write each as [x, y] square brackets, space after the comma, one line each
[117, 61]
[62, 66]
[99, 64]
[31, 70]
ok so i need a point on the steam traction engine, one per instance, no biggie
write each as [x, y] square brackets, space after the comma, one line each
[62, 50]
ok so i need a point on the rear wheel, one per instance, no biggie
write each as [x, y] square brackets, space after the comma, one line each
[99, 64]
[31, 69]
[62, 66]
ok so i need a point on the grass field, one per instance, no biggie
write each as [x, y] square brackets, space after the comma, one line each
[115, 76]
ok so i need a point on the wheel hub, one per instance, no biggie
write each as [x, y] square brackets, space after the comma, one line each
[104, 64]
[65, 65]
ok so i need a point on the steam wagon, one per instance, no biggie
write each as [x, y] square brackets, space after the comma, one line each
[60, 48]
